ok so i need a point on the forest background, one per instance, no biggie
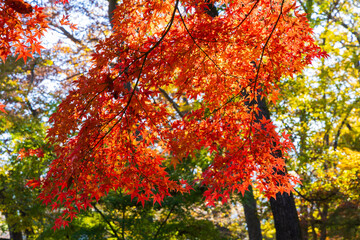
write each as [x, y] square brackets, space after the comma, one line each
[318, 107]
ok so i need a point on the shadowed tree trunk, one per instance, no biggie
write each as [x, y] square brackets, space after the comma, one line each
[251, 216]
[14, 235]
[286, 219]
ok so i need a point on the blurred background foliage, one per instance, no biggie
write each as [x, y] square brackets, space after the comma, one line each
[320, 108]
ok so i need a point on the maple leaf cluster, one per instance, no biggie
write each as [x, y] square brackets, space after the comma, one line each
[116, 131]
[23, 153]
[21, 28]
[2, 108]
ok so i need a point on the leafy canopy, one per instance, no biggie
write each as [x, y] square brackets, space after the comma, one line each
[114, 130]
[21, 27]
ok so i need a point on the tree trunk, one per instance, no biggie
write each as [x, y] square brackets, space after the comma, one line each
[284, 211]
[323, 226]
[285, 217]
[14, 235]
[111, 8]
[251, 216]
[304, 222]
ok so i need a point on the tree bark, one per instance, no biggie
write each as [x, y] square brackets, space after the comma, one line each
[324, 217]
[111, 8]
[284, 211]
[304, 224]
[14, 235]
[285, 217]
[251, 216]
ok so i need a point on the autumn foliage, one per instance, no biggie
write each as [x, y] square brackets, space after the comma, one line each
[21, 27]
[116, 130]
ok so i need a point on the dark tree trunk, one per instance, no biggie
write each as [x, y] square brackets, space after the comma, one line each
[323, 226]
[284, 211]
[14, 235]
[111, 8]
[251, 216]
[285, 217]
[304, 223]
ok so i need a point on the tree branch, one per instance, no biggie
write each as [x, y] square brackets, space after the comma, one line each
[173, 103]
[105, 219]
[112, 7]
[343, 122]
[67, 34]
[163, 223]
[338, 20]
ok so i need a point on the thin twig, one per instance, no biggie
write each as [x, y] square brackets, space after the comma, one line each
[165, 220]
[123, 222]
[266, 43]
[312, 200]
[248, 14]
[202, 50]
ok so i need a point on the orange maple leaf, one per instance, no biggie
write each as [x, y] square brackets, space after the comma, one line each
[2, 108]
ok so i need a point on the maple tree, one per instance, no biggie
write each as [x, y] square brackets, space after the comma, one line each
[115, 131]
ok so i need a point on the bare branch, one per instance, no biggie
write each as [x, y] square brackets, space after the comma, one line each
[173, 103]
